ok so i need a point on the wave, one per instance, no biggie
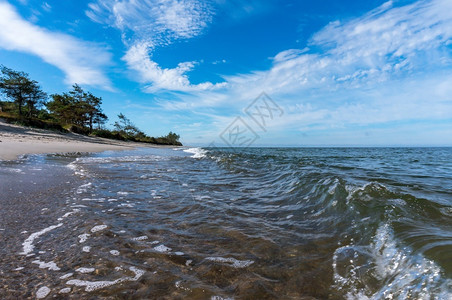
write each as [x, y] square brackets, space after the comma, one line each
[197, 152]
[384, 270]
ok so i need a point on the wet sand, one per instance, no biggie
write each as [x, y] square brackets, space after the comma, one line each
[17, 140]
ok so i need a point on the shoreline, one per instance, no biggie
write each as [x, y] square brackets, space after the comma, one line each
[19, 140]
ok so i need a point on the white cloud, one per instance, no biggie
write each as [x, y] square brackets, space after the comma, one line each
[175, 79]
[159, 21]
[81, 61]
[46, 6]
[148, 24]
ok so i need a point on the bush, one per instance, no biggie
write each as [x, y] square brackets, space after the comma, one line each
[31, 122]
[78, 129]
[104, 133]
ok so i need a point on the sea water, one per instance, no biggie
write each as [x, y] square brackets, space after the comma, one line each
[217, 223]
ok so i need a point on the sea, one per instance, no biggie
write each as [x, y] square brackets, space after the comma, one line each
[224, 223]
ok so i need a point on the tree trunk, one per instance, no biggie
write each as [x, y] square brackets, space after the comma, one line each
[90, 123]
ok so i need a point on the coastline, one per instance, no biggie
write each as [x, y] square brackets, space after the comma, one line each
[18, 140]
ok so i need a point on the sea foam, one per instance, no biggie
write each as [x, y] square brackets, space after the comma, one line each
[95, 285]
[28, 243]
[42, 292]
[197, 152]
[235, 263]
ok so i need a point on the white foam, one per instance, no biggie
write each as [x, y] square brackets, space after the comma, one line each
[98, 228]
[84, 187]
[65, 290]
[13, 170]
[95, 285]
[162, 248]
[85, 270]
[65, 276]
[178, 284]
[86, 249]
[42, 292]
[83, 237]
[232, 261]
[79, 205]
[197, 152]
[179, 253]
[140, 238]
[28, 243]
[18, 269]
[94, 199]
[122, 193]
[114, 252]
[199, 197]
[49, 265]
[72, 166]
[68, 214]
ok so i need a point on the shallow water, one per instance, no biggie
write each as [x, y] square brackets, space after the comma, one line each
[259, 223]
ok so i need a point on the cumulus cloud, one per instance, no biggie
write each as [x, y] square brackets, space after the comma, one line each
[148, 24]
[81, 61]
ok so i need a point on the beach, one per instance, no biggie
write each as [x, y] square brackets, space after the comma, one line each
[18, 140]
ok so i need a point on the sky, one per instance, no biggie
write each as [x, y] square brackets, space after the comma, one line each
[248, 72]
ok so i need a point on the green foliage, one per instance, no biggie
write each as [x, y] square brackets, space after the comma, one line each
[128, 131]
[172, 138]
[126, 128]
[78, 129]
[77, 107]
[31, 122]
[22, 90]
[108, 134]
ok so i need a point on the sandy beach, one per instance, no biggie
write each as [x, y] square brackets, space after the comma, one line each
[17, 140]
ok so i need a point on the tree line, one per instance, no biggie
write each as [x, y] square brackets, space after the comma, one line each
[77, 110]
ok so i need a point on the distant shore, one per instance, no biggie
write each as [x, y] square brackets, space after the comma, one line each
[18, 140]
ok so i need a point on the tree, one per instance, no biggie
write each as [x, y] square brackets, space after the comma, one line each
[78, 107]
[62, 107]
[35, 99]
[100, 119]
[126, 127]
[93, 110]
[173, 138]
[21, 89]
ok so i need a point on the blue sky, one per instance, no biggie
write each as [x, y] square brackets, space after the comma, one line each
[337, 72]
